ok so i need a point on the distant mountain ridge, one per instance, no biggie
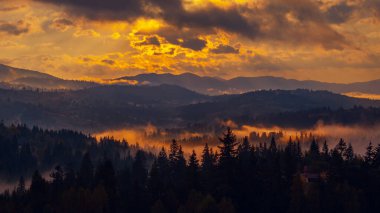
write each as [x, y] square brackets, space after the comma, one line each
[8, 73]
[11, 77]
[217, 86]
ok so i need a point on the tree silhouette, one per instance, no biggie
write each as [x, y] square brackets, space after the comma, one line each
[349, 153]
[193, 171]
[86, 171]
[273, 145]
[341, 147]
[246, 177]
[228, 149]
[369, 156]
[325, 150]
[21, 190]
[314, 149]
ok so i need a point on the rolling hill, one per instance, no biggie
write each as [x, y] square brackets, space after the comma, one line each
[217, 86]
[116, 106]
[11, 77]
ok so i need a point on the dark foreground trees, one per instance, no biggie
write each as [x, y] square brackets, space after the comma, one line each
[238, 177]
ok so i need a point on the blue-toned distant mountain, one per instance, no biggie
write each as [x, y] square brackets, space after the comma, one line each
[217, 86]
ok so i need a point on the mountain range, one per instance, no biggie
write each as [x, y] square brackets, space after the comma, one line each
[179, 101]
[11, 77]
[118, 106]
[217, 86]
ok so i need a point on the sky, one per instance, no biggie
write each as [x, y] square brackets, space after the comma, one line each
[325, 40]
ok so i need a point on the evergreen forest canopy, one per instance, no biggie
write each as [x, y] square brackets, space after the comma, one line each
[113, 107]
[113, 176]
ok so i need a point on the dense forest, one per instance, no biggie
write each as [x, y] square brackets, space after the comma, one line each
[24, 150]
[111, 176]
[112, 107]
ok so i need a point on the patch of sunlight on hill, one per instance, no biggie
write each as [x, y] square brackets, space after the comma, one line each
[363, 95]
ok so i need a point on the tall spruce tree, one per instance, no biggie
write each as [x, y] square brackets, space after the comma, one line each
[227, 149]
[369, 155]
[193, 171]
[207, 162]
[349, 153]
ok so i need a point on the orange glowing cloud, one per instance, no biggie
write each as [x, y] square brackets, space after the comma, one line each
[229, 38]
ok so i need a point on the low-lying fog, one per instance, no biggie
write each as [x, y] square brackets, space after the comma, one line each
[153, 138]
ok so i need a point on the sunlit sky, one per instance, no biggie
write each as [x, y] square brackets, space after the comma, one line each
[326, 40]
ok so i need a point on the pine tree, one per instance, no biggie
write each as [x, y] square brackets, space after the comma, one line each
[162, 161]
[377, 156]
[244, 148]
[173, 154]
[273, 145]
[38, 191]
[290, 159]
[245, 154]
[228, 148]
[206, 159]
[214, 156]
[341, 147]
[193, 171]
[58, 176]
[325, 150]
[20, 190]
[193, 161]
[369, 155]
[349, 153]
[298, 150]
[38, 185]
[314, 149]
[181, 161]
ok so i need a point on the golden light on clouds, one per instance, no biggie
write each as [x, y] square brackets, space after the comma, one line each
[329, 40]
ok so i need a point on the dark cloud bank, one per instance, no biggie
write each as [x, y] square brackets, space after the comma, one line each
[270, 22]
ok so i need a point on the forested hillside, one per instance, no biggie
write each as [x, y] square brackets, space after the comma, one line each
[112, 107]
[24, 150]
[237, 177]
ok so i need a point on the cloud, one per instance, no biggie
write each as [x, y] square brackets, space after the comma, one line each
[11, 8]
[152, 40]
[16, 28]
[225, 49]
[297, 21]
[108, 61]
[230, 20]
[339, 13]
[373, 7]
[61, 24]
[86, 33]
[10, 44]
[102, 10]
[195, 44]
